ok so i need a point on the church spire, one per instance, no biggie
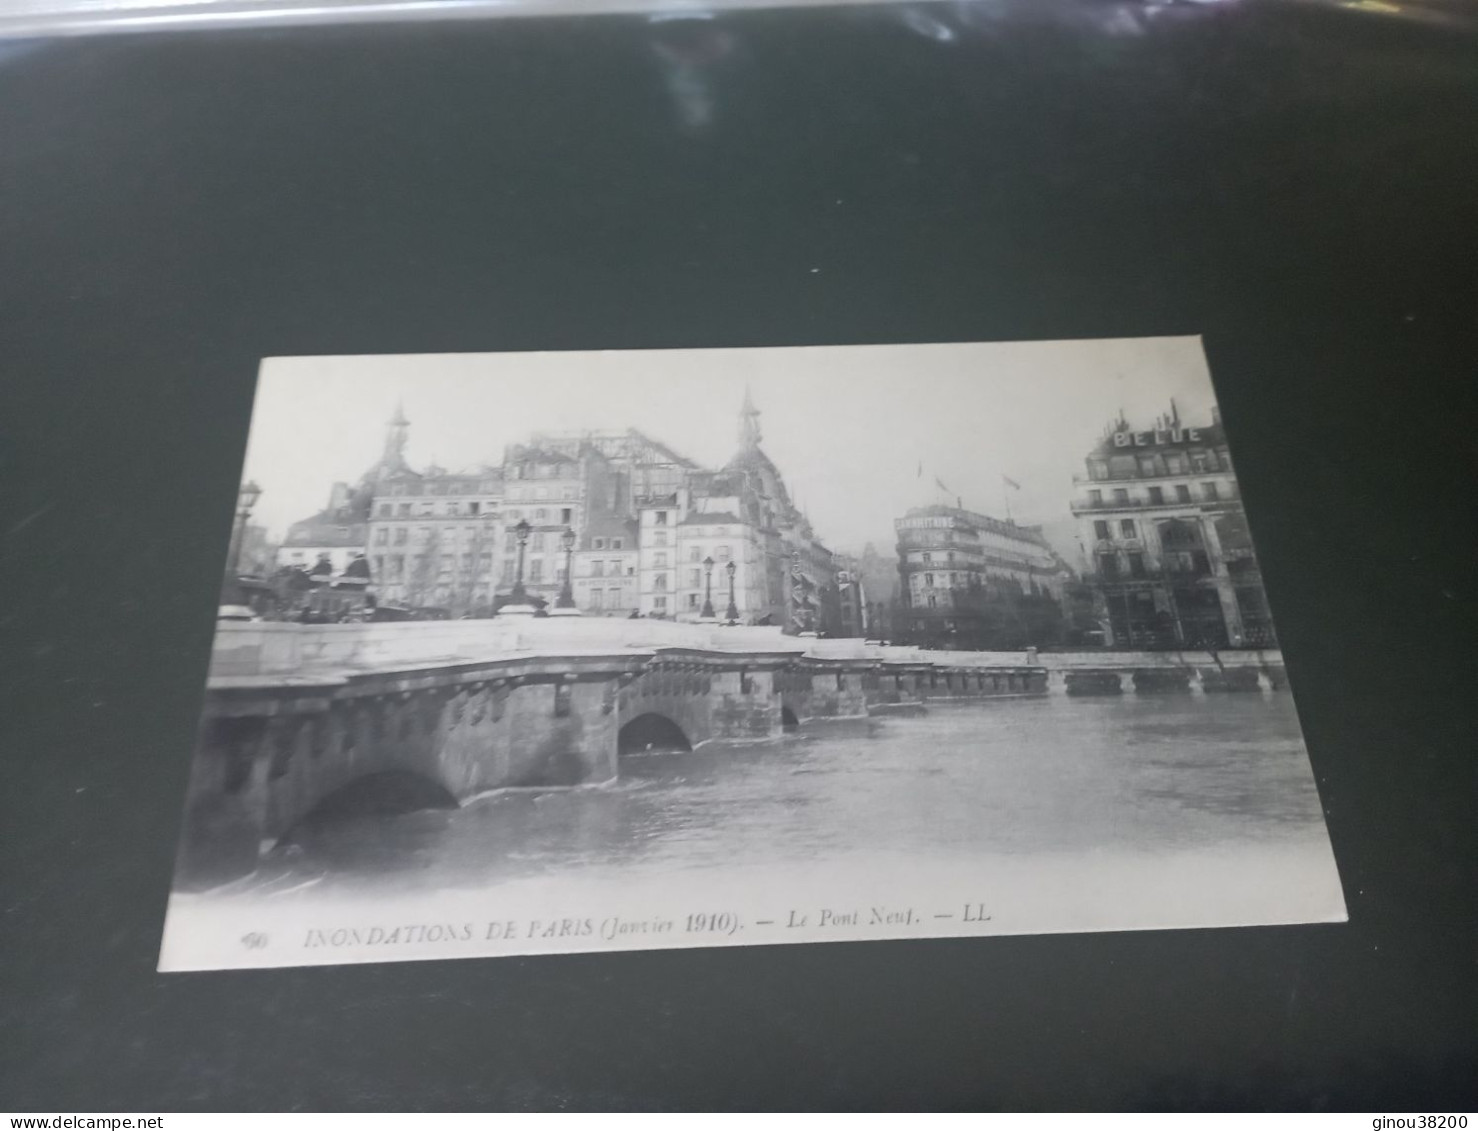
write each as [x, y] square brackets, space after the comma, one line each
[396, 431]
[749, 423]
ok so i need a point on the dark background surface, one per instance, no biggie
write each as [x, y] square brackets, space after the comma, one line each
[1298, 184]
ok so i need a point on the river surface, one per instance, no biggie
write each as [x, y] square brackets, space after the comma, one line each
[990, 779]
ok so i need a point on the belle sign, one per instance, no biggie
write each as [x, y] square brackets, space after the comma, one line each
[1157, 437]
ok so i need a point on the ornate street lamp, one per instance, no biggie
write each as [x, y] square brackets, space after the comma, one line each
[566, 601]
[732, 612]
[707, 612]
[521, 532]
[246, 499]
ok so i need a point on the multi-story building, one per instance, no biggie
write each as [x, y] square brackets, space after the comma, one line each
[605, 581]
[644, 522]
[971, 581]
[852, 597]
[1162, 525]
[434, 539]
[547, 488]
[785, 575]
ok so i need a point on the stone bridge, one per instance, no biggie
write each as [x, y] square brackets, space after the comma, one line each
[314, 719]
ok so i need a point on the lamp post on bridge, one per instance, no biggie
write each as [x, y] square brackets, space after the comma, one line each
[565, 605]
[707, 613]
[731, 614]
[518, 600]
[246, 499]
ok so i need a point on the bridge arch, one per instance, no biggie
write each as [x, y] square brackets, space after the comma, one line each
[651, 731]
[380, 793]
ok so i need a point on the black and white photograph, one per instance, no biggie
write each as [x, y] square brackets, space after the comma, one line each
[554, 652]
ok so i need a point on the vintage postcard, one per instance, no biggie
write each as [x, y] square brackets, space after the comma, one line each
[528, 653]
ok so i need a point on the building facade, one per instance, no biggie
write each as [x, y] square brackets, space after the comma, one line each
[645, 521]
[1163, 529]
[853, 604]
[605, 582]
[970, 581]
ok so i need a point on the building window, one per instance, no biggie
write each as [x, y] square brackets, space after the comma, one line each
[659, 518]
[659, 582]
[932, 601]
[1108, 566]
[384, 510]
[401, 535]
[1097, 469]
[615, 543]
[1121, 497]
[562, 700]
[692, 600]
[659, 559]
[1100, 528]
[403, 510]
[597, 598]
[1182, 493]
[696, 577]
[1210, 491]
[695, 553]
[1095, 498]
[382, 536]
[928, 557]
[1175, 463]
[929, 581]
[541, 515]
[599, 543]
[659, 604]
[659, 539]
[723, 554]
[597, 568]
[536, 543]
[566, 515]
[536, 570]
[1136, 565]
[1157, 496]
[1126, 528]
[474, 507]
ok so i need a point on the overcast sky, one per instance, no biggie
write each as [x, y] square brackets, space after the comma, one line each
[848, 426]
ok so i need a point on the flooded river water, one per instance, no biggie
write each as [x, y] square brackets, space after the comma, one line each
[1010, 776]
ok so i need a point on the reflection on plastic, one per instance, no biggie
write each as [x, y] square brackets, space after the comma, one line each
[690, 47]
[946, 21]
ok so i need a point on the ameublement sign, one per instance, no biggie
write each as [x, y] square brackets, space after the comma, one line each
[535, 653]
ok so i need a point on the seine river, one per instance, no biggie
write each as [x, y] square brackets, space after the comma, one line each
[1002, 778]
